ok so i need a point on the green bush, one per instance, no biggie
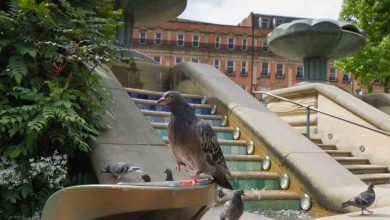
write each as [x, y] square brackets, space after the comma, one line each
[51, 102]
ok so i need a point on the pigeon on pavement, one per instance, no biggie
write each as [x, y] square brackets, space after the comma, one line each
[193, 141]
[119, 169]
[363, 200]
[233, 209]
[169, 175]
[146, 178]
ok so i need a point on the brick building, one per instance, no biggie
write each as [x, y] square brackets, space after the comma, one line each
[241, 52]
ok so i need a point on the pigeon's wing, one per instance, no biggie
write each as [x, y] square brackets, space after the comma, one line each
[366, 198]
[209, 144]
[172, 140]
[225, 210]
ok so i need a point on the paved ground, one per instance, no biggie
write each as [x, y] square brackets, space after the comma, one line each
[213, 214]
[380, 213]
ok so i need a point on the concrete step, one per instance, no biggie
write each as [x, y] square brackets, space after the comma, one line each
[253, 195]
[154, 102]
[160, 94]
[316, 140]
[375, 178]
[327, 146]
[367, 169]
[225, 133]
[302, 129]
[299, 120]
[351, 160]
[339, 153]
[243, 162]
[254, 175]
[168, 114]
[232, 157]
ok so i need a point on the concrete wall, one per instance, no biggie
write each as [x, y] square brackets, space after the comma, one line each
[350, 137]
[130, 139]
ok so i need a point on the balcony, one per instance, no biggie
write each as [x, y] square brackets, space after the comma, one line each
[189, 44]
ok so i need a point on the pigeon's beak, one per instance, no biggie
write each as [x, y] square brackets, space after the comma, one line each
[161, 100]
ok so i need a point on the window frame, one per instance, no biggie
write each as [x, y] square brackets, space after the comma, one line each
[142, 40]
[278, 74]
[181, 60]
[232, 67]
[262, 73]
[157, 41]
[217, 42]
[197, 58]
[159, 58]
[180, 42]
[217, 64]
[245, 45]
[197, 42]
[296, 76]
[231, 46]
[244, 71]
[333, 75]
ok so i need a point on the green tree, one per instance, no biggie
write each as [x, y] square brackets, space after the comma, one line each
[51, 102]
[373, 62]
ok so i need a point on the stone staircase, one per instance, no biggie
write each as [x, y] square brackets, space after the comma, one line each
[296, 117]
[261, 187]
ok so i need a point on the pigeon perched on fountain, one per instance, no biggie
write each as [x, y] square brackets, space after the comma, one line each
[363, 200]
[169, 175]
[119, 169]
[233, 209]
[146, 178]
[193, 141]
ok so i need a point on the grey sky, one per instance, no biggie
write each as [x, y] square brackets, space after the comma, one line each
[233, 11]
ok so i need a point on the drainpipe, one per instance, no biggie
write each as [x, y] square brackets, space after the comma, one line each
[252, 57]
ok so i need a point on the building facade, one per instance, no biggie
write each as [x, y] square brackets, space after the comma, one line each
[241, 52]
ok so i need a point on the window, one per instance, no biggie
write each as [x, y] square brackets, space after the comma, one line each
[216, 63]
[142, 37]
[299, 72]
[332, 75]
[157, 59]
[195, 60]
[230, 67]
[263, 22]
[217, 42]
[243, 68]
[231, 43]
[265, 45]
[279, 71]
[180, 39]
[264, 70]
[277, 22]
[157, 38]
[244, 44]
[178, 60]
[347, 77]
[195, 40]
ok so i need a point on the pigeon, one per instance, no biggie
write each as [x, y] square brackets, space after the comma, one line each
[146, 178]
[220, 193]
[363, 200]
[119, 169]
[193, 141]
[169, 175]
[233, 209]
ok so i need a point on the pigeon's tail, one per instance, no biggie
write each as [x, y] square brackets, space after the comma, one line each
[221, 179]
[347, 203]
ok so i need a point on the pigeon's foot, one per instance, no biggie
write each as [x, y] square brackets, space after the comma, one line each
[178, 166]
[195, 178]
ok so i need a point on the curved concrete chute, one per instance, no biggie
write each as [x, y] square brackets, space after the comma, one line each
[319, 174]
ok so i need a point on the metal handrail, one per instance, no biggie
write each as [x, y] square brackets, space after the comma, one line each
[308, 108]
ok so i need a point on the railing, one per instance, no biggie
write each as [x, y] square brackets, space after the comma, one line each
[201, 45]
[308, 108]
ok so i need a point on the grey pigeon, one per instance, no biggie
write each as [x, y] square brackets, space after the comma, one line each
[193, 141]
[146, 178]
[169, 175]
[363, 200]
[119, 169]
[233, 209]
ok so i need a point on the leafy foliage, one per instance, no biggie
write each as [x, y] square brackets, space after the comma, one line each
[373, 62]
[50, 99]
